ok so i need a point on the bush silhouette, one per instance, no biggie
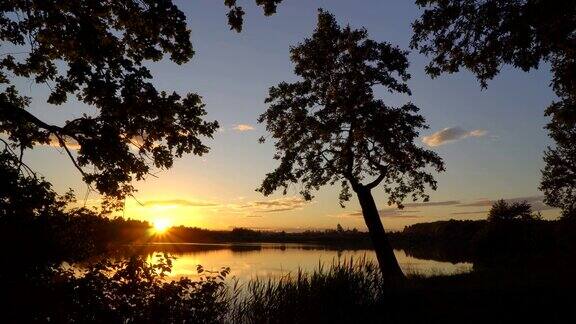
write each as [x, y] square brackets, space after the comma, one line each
[504, 211]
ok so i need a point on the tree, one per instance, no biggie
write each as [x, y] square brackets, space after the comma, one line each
[482, 36]
[330, 128]
[559, 173]
[95, 51]
[236, 12]
[504, 211]
[24, 195]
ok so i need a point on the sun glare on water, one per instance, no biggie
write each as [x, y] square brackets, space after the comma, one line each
[161, 225]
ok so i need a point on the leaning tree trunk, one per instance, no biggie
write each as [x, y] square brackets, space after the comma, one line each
[389, 267]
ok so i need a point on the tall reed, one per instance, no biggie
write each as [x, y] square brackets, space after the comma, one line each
[345, 291]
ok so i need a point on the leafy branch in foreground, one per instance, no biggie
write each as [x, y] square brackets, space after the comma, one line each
[94, 54]
[484, 35]
[128, 291]
[236, 12]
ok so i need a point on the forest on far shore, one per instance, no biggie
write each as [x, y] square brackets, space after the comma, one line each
[495, 241]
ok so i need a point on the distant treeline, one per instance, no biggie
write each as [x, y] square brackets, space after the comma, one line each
[491, 243]
[338, 236]
[66, 236]
[78, 236]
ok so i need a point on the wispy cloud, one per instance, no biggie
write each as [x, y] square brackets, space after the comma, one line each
[433, 203]
[54, 142]
[471, 212]
[407, 212]
[179, 203]
[243, 128]
[396, 212]
[451, 134]
[274, 205]
[488, 202]
[384, 212]
[537, 203]
[134, 142]
[256, 208]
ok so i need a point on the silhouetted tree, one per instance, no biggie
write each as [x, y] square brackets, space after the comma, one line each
[481, 36]
[559, 173]
[330, 128]
[96, 52]
[236, 12]
[504, 211]
[24, 195]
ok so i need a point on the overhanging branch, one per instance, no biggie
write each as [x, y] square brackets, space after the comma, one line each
[63, 144]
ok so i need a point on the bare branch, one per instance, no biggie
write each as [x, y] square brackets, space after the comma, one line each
[63, 144]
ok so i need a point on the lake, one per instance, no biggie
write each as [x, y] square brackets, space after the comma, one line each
[269, 260]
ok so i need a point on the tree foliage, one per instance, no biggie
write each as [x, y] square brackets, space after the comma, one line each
[329, 127]
[482, 36]
[96, 52]
[45, 229]
[503, 211]
[25, 196]
[236, 12]
[559, 173]
[134, 290]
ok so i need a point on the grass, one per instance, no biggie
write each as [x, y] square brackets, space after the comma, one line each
[353, 292]
[350, 291]
[342, 292]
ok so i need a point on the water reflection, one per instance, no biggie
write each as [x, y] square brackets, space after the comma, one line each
[273, 260]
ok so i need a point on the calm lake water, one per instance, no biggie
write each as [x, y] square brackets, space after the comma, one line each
[266, 260]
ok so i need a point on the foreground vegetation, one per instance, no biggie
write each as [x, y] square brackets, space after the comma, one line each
[530, 273]
[354, 292]
[134, 291]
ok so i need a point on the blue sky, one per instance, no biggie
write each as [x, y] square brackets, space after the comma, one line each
[233, 71]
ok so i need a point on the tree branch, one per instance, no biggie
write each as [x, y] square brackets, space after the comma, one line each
[21, 163]
[24, 115]
[63, 144]
[376, 181]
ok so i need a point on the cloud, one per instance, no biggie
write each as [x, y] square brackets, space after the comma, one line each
[179, 203]
[275, 205]
[489, 202]
[433, 203]
[134, 142]
[537, 203]
[478, 203]
[385, 213]
[54, 142]
[451, 134]
[395, 212]
[471, 212]
[407, 211]
[243, 128]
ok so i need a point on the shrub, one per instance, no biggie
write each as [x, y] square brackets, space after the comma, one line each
[504, 211]
[127, 291]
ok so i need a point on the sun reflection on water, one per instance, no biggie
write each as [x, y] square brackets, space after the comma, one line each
[276, 260]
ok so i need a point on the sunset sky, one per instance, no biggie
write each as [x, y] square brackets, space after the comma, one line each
[491, 140]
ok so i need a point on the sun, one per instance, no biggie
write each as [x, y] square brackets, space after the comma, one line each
[161, 225]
